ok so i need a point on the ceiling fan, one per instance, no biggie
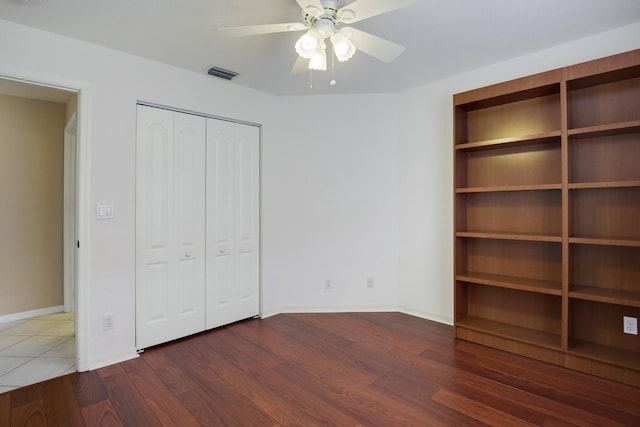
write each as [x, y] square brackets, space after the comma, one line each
[325, 19]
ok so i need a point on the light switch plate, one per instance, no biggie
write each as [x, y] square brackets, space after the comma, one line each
[104, 211]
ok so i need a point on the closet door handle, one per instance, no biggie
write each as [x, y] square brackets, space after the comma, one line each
[221, 251]
[187, 255]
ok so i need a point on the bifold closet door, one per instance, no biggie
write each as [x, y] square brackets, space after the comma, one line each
[232, 222]
[170, 226]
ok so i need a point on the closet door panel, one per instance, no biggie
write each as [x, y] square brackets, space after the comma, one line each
[155, 171]
[247, 216]
[232, 222]
[220, 182]
[247, 152]
[154, 160]
[169, 226]
[189, 211]
[155, 293]
[223, 295]
[248, 280]
[220, 223]
[190, 293]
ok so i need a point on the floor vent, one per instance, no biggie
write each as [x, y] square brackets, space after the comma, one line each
[222, 73]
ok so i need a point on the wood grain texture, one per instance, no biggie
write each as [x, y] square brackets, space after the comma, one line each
[337, 369]
[5, 409]
[556, 163]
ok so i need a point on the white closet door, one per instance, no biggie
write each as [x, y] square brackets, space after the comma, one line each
[170, 226]
[232, 222]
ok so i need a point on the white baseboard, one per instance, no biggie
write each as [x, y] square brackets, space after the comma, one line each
[32, 313]
[424, 315]
[112, 360]
[366, 309]
[329, 309]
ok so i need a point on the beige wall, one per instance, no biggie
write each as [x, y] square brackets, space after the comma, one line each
[31, 189]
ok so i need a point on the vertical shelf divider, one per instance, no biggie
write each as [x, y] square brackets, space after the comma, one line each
[564, 147]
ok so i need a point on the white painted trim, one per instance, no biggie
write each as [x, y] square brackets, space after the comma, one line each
[330, 309]
[260, 230]
[368, 309]
[70, 213]
[112, 360]
[83, 195]
[425, 315]
[83, 227]
[32, 313]
[196, 113]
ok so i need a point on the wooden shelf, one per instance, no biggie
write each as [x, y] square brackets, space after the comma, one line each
[607, 130]
[547, 216]
[539, 85]
[538, 187]
[516, 333]
[606, 354]
[511, 282]
[606, 184]
[592, 240]
[539, 138]
[604, 100]
[511, 236]
[609, 296]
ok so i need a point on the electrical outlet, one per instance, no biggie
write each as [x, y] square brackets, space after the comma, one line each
[107, 322]
[630, 325]
[370, 282]
[328, 284]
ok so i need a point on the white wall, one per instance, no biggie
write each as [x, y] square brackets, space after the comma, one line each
[426, 166]
[113, 82]
[329, 180]
[330, 207]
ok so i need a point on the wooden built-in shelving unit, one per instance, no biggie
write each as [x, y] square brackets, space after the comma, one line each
[547, 216]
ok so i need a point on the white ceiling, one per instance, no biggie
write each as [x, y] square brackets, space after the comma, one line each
[442, 37]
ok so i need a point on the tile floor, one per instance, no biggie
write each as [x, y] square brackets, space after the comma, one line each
[37, 349]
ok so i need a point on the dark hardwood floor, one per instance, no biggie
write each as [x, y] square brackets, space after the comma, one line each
[348, 369]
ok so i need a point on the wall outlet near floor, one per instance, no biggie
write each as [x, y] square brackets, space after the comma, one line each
[107, 322]
[630, 325]
[370, 282]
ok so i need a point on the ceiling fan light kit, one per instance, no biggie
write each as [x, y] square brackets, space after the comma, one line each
[322, 19]
[319, 59]
[343, 47]
[307, 44]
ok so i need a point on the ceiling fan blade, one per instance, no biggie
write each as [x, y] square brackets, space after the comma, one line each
[379, 48]
[363, 9]
[312, 7]
[300, 66]
[254, 30]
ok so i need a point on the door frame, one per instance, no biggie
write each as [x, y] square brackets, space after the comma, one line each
[83, 201]
[70, 212]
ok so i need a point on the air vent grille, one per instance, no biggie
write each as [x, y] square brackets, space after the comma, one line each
[222, 73]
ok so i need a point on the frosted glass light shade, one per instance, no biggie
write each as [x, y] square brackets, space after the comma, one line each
[342, 46]
[307, 44]
[319, 59]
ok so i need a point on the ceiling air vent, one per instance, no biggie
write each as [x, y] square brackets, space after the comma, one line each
[222, 73]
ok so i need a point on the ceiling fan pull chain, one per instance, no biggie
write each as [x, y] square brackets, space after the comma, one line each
[333, 66]
[310, 78]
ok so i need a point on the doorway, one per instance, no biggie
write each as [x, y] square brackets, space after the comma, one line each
[38, 333]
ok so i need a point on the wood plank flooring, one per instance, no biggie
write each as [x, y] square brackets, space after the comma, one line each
[342, 369]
